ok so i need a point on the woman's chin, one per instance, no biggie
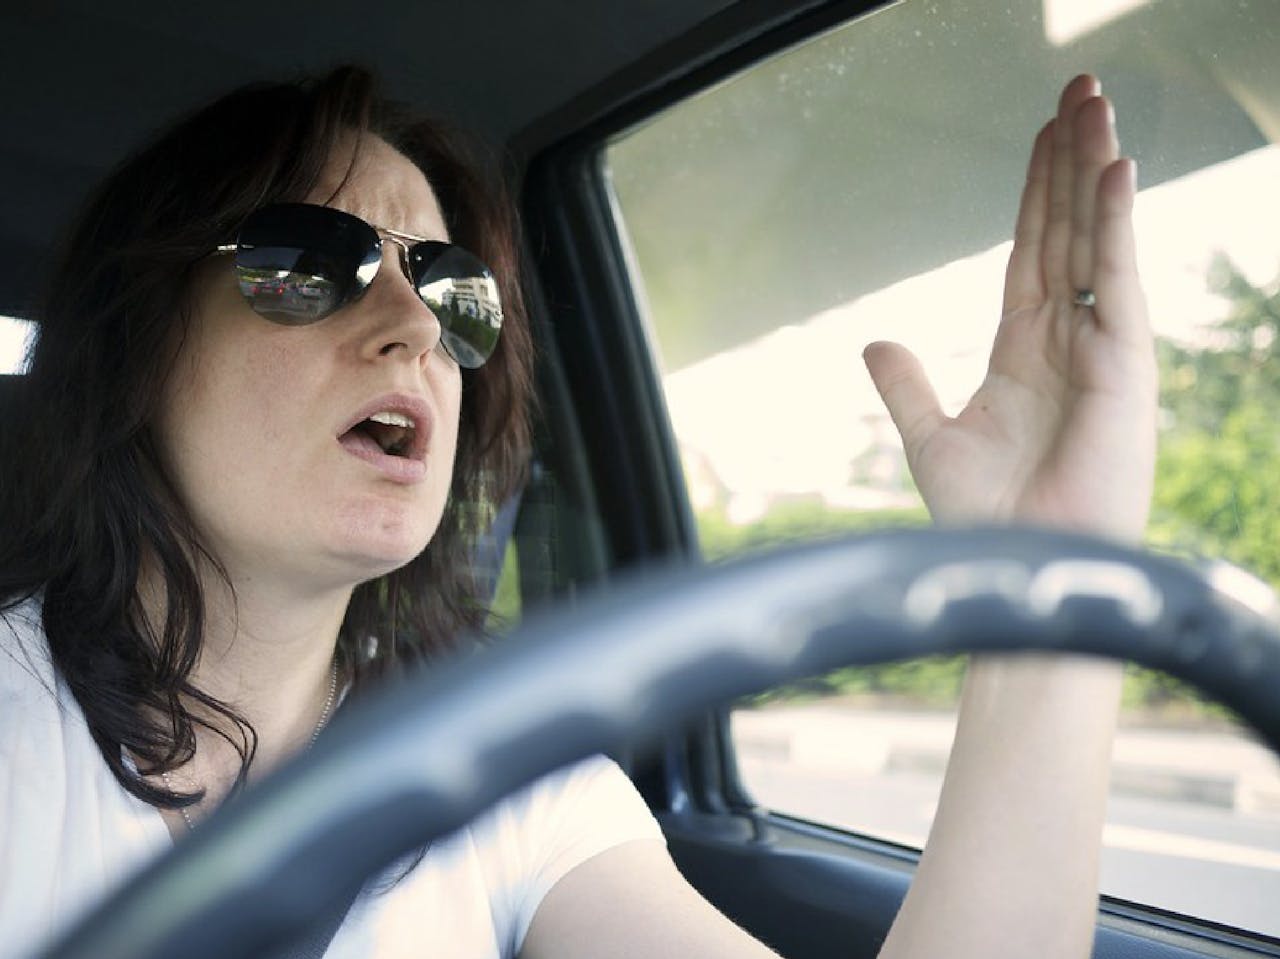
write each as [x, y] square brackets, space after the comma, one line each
[380, 542]
[369, 561]
[353, 560]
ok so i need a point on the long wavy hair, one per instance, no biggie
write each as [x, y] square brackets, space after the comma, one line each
[89, 500]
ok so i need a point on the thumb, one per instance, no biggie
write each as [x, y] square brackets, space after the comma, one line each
[901, 382]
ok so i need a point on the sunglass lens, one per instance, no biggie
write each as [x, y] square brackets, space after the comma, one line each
[298, 263]
[462, 293]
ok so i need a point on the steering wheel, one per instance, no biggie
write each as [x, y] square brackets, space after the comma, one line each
[436, 749]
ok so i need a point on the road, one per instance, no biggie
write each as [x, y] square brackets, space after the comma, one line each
[1203, 856]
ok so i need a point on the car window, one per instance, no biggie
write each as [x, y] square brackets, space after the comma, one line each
[13, 344]
[863, 186]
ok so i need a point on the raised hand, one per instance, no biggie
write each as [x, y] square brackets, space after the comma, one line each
[1062, 430]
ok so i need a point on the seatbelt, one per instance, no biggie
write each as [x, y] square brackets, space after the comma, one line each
[491, 546]
[535, 537]
[526, 519]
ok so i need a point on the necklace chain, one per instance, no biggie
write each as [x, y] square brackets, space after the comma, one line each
[315, 733]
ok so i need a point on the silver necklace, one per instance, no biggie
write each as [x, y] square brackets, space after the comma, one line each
[320, 724]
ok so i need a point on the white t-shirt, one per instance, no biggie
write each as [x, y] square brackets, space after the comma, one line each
[69, 833]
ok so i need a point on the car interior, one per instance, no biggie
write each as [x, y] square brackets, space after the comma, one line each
[722, 201]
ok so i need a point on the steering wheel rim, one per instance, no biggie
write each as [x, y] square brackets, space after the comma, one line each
[432, 752]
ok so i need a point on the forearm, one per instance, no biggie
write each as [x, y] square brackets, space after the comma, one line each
[1061, 433]
[1011, 865]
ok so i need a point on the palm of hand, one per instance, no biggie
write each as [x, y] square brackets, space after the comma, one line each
[1062, 430]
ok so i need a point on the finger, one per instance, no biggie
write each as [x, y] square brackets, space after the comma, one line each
[901, 382]
[1095, 147]
[1023, 281]
[1057, 238]
[1121, 307]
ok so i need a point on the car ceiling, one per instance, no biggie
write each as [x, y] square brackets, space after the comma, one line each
[85, 81]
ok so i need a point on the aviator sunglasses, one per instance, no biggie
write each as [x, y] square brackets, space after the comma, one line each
[298, 263]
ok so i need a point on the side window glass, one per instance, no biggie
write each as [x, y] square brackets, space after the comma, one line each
[863, 186]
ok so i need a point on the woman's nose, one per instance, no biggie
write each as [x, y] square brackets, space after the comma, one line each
[401, 320]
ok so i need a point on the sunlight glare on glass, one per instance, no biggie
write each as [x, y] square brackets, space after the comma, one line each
[1067, 20]
[793, 413]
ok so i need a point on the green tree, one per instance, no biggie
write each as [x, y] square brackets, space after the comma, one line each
[1218, 473]
[1201, 386]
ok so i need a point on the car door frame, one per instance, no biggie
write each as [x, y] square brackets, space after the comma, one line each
[608, 439]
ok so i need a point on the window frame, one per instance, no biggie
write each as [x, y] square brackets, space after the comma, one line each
[580, 270]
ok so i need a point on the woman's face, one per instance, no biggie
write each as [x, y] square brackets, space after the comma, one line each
[261, 421]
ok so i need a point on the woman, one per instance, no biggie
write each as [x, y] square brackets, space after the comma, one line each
[246, 495]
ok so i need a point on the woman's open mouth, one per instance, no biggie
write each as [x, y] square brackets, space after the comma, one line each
[393, 432]
[390, 440]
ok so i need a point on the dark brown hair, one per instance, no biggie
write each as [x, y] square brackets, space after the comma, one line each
[92, 501]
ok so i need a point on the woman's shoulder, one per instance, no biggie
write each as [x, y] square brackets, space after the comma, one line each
[534, 837]
[40, 720]
[70, 831]
[593, 792]
[26, 669]
[565, 818]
